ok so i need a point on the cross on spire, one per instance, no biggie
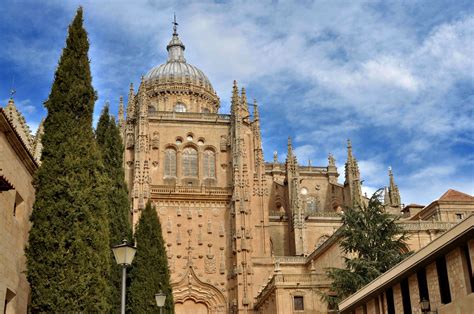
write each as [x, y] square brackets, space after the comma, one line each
[175, 25]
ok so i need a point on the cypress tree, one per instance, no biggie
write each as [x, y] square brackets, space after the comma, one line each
[111, 147]
[373, 242]
[149, 273]
[68, 253]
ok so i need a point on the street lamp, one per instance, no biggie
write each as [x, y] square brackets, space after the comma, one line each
[124, 254]
[424, 305]
[160, 298]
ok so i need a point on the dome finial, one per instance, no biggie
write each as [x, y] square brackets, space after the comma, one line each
[175, 47]
[175, 25]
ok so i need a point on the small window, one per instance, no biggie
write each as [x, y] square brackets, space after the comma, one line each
[205, 110]
[298, 303]
[459, 217]
[18, 202]
[179, 107]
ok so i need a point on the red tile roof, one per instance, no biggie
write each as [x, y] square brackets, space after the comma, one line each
[453, 195]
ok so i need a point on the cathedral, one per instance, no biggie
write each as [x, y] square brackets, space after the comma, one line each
[226, 213]
[242, 235]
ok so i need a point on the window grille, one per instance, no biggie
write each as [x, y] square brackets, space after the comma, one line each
[170, 163]
[190, 162]
[209, 164]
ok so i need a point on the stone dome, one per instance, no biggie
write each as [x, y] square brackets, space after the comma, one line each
[176, 69]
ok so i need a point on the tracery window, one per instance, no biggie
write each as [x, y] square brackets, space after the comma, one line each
[311, 205]
[190, 162]
[170, 162]
[209, 164]
[179, 107]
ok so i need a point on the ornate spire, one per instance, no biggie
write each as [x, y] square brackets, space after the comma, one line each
[121, 118]
[235, 98]
[290, 148]
[121, 110]
[175, 47]
[393, 191]
[353, 182]
[245, 107]
[131, 103]
[256, 115]
[37, 147]
[19, 123]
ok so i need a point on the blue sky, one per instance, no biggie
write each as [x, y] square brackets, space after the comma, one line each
[396, 77]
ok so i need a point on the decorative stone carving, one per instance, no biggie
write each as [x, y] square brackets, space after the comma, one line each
[168, 225]
[155, 141]
[223, 143]
[209, 226]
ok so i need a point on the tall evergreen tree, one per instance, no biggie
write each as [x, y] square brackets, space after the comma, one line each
[111, 147]
[149, 273]
[372, 242]
[68, 253]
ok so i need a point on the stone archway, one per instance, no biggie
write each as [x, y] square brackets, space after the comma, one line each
[192, 296]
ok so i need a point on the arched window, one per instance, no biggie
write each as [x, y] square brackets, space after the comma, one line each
[179, 107]
[170, 162]
[311, 205]
[190, 162]
[209, 164]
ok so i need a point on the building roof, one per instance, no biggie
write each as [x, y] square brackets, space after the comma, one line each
[441, 245]
[17, 143]
[453, 195]
[177, 70]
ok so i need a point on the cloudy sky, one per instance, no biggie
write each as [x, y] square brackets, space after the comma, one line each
[394, 77]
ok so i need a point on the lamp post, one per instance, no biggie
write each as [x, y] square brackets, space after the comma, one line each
[124, 254]
[160, 298]
[425, 305]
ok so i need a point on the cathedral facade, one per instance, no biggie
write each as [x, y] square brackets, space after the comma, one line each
[226, 214]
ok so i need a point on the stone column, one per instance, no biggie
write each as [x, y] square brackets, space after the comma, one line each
[414, 293]
[397, 298]
[433, 286]
[457, 274]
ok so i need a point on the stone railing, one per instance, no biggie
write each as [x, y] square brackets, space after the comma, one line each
[276, 213]
[426, 225]
[321, 213]
[203, 190]
[291, 259]
[189, 115]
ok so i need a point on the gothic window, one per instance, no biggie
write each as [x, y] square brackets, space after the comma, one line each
[209, 164]
[170, 162]
[179, 107]
[190, 162]
[311, 205]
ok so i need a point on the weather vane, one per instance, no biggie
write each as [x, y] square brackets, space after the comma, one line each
[12, 90]
[175, 25]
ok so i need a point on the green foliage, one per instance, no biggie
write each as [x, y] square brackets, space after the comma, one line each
[68, 253]
[372, 243]
[116, 198]
[149, 273]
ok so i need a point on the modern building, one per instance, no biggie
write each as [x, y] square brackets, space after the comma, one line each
[439, 278]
